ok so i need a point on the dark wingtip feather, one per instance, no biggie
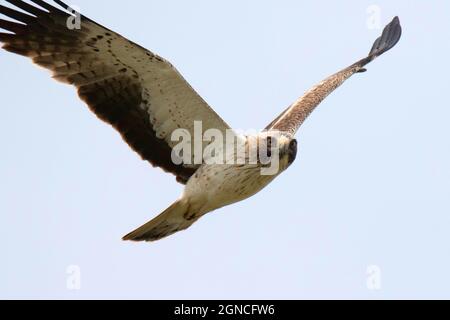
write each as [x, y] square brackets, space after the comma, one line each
[16, 15]
[6, 37]
[48, 7]
[27, 7]
[17, 50]
[17, 28]
[388, 39]
[62, 4]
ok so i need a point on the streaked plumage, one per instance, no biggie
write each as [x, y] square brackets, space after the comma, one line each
[145, 99]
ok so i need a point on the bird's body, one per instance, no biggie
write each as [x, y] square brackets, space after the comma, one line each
[224, 184]
[148, 101]
[214, 186]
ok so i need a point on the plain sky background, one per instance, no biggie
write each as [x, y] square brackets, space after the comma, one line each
[371, 184]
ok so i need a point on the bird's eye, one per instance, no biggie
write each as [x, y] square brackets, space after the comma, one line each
[293, 144]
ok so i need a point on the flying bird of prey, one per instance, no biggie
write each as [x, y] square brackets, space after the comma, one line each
[146, 99]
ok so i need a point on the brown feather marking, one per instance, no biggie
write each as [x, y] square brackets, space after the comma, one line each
[118, 108]
[112, 95]
[294, 116]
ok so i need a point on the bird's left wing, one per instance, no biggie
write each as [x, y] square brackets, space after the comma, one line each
[139, 93]
[293, 117]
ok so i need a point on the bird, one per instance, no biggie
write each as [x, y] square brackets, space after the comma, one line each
[146, 99]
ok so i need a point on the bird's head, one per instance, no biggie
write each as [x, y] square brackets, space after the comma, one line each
[278, 150]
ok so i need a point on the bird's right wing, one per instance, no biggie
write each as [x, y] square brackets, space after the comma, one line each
[293, 117]
[139, 93]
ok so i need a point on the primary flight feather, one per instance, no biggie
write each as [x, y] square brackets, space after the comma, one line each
[146, 99]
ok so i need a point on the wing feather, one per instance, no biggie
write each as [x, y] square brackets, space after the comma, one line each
[293, 117]
[139, 93]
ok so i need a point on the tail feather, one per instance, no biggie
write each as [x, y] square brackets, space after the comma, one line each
[172, 220]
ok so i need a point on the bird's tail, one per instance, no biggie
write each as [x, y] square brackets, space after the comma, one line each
[173, 219]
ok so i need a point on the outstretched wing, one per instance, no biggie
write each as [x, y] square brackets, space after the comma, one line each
[139, 93]
[293, 117]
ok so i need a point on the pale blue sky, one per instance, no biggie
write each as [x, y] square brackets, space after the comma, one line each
[370, 185]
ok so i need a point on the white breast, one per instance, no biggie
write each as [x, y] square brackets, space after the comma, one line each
[219, 185]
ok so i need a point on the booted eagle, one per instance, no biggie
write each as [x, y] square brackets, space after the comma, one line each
[146, 99]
